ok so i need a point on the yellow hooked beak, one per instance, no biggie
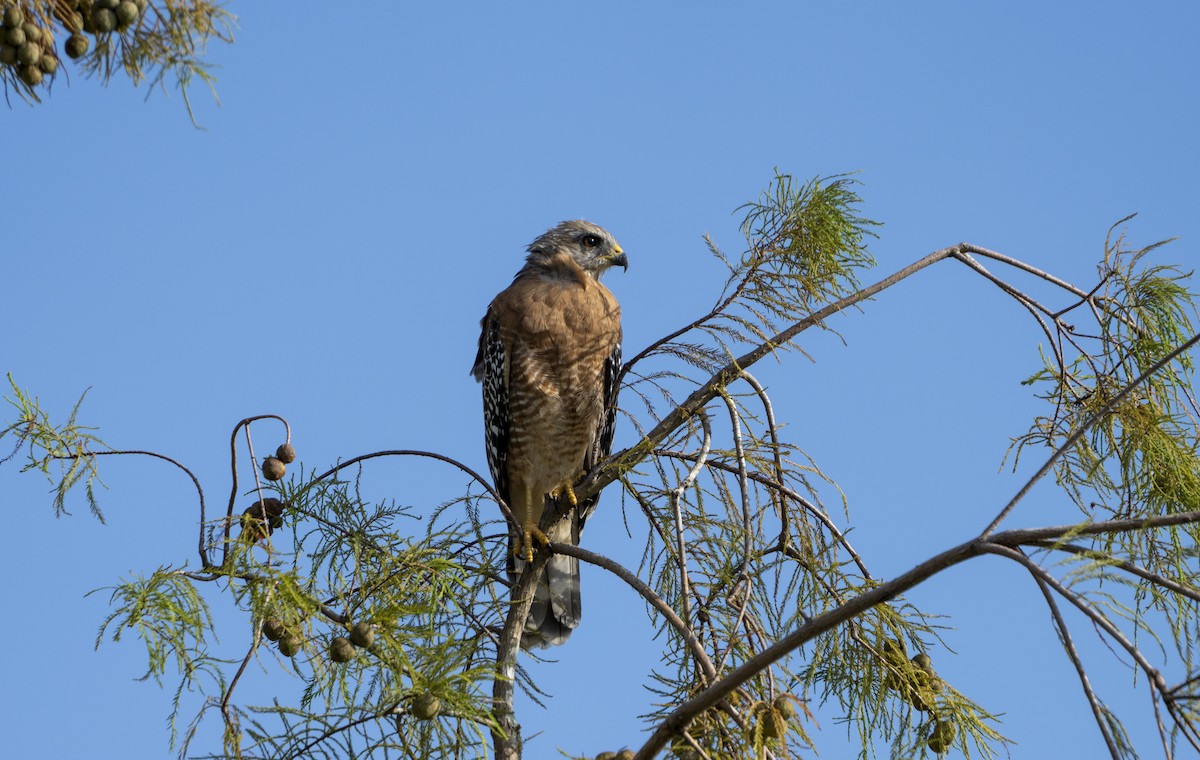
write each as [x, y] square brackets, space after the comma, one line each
[617, 257]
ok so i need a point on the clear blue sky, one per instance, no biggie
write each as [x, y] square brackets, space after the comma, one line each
[325, 248]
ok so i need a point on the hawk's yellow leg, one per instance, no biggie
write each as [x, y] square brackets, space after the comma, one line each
[528, 518]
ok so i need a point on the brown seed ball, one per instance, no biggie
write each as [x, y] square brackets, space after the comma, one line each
[127, 12]
[426, 706]
[289, 645]
[29, 53]
[16, 37]
[607, 756]
[784, 704]
[274, 629]
[341, 650]
[773, 724]
[253, 527]
[48, 64]
[286, 453]
[8, 55]
[13, 17]
[30, 75]
[363, 634]
[269, 507]
[273, 469]
[33, 32]
[942, 737]
[77, 46]
[924, 662]
[103, 20]
[626, 754]
[918, 691]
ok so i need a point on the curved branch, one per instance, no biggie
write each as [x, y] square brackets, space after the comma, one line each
[195, 481]
[331, 732]
[647, 593]
[230, 722]
[233, 492]
[773, 431]
[431, 455]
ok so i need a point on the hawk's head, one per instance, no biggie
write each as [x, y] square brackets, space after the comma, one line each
[592, 247]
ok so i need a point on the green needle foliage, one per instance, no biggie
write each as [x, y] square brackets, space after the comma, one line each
[764, 609]
[170, 616]
[63, 453]
[806, 243]
[1139, 457]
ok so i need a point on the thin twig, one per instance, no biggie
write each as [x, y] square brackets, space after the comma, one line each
[1129, 567]
[677, 496]
[1064, 635]
[744, 490]
[790, 493]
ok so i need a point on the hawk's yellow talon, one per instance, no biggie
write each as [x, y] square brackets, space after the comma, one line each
[566, 490]
[525, 547]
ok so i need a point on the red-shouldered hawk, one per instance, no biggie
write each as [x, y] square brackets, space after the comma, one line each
[549, 356]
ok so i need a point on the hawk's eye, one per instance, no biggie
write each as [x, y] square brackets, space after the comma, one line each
[591, 241]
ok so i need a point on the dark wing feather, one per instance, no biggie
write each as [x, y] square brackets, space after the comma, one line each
[490, 369]
[608, 424]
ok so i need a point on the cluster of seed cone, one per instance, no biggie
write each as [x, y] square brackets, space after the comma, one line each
[918, 684]
[27, 46]
[341, 648]
[262, 517]
[27, 39]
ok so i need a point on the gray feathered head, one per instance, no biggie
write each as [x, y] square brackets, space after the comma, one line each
[591, 246]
